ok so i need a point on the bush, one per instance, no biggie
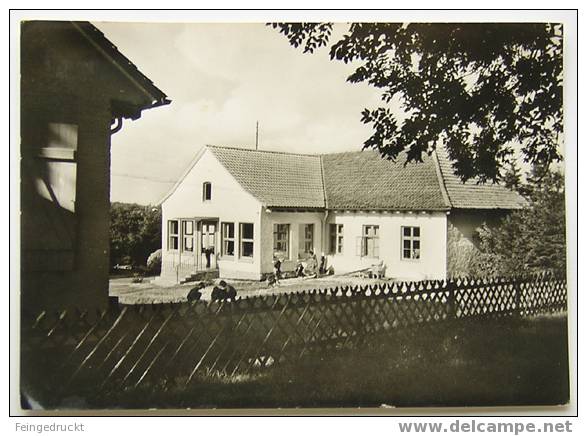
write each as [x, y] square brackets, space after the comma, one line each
[531, 240]
[154, 262]
[135, 232]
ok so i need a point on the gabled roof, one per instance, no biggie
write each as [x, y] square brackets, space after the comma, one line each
[274, 178]
[360, 180]
[365, 180]
[471, 194]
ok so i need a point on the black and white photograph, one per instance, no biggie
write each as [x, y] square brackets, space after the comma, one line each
[287, 214]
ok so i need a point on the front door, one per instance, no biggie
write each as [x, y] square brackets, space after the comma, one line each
[209, 244]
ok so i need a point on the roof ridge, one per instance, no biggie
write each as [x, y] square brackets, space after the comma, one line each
[441, 179]
[289, 153]
[324, 194]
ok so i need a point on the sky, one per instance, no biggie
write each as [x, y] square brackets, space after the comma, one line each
[222, 79]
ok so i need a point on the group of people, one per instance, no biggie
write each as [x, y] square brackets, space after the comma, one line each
[221, 292]
[309, 269]
[226, 292]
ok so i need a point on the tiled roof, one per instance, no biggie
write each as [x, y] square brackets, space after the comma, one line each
[471, 195]
[361, 180]
[365, 180]
[276, 179]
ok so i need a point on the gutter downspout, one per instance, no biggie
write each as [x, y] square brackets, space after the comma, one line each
[326, 211]
[118, 126]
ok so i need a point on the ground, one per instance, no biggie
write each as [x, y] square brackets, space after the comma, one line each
[500, 362]
[147, 292]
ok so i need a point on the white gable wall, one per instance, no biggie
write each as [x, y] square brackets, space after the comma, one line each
[433, 236]
[230, 203]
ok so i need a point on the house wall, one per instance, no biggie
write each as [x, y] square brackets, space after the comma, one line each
[65, 188]
[432, 262]
[229, 203]
[295, 220]
[462, 242]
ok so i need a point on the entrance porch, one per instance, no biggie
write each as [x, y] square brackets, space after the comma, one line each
[191, 249]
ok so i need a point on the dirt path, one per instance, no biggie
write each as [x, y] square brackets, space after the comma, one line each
[151, 293]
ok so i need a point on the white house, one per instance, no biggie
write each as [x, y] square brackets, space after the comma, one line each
[235, 210]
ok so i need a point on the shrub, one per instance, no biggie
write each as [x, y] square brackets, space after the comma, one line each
[154, 262]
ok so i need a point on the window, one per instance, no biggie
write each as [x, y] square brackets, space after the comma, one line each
[246, 240]
[208, 236]
[228, 239]
[60, 135]
[368, 243]
[410, 242]
[207, 191]
[49, 190]
[60, 142]
[336, 238]
[187, 235]
[173, 234]
[281, 241]
[306, 240]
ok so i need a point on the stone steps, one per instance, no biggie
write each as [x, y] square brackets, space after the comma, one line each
[170, 278]
[199, 276]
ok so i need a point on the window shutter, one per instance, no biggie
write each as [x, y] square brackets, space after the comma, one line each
[376, 247]
[301, 239]
[359, 246]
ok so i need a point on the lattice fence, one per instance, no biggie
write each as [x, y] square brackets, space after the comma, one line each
[170, 346]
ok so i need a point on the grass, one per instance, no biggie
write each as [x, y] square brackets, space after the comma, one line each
[479, 363]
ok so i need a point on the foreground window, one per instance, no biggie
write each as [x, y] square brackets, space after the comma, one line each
[336, 238]
[228, 239]
[410, 242]
[281, 241]
[246, 240]
[207, 191]
[368, 244]
[187, 230]
[172, 234]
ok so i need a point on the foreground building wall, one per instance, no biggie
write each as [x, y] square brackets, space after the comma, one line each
[74, 84]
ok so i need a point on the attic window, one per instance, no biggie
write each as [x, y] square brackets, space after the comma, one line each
[207, 191]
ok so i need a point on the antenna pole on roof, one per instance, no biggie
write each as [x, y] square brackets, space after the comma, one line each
[257, 137]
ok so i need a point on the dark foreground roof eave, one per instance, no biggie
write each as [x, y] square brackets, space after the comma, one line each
[110, 51]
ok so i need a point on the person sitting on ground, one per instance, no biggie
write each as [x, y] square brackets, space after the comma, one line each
[230, 291]
[300, 270]
[223, 292]
[311, 265]
[194, 294]
[218, 294]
